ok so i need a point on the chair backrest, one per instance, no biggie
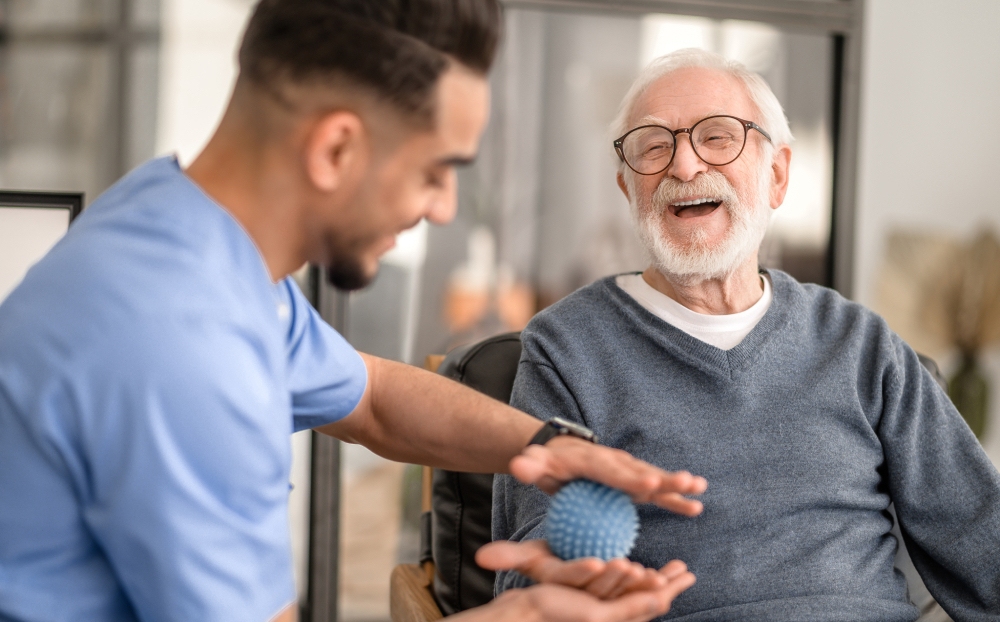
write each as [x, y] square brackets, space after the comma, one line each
[462, 503]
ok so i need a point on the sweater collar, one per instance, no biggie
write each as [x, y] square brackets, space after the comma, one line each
[786, 304]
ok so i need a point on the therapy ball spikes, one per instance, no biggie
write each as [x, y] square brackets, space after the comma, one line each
[587, 519]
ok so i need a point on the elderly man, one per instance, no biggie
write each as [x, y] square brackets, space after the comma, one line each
[804, 411]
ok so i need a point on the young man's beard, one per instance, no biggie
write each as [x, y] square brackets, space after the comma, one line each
[694, 260]
[346, 269]
[348, 274]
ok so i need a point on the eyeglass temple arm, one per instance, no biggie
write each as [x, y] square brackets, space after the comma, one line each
[753, 126]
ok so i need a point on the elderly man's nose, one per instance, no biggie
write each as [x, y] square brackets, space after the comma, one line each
[686, 163]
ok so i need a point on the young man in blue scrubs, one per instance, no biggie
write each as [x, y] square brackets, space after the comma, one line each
[154, 364]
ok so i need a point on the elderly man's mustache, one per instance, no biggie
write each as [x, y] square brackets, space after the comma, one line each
[711, 185]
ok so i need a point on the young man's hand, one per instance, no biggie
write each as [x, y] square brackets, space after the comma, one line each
[566, 458]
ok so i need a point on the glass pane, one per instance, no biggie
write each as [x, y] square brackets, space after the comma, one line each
[55, 134]
[145, 13]
[380, 515]
[144, 75]
[33, 14]
[544, 184]
[540, 214]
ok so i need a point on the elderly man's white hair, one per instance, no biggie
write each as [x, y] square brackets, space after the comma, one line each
[771, 116]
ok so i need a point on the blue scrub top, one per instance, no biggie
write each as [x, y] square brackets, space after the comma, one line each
[150, 376]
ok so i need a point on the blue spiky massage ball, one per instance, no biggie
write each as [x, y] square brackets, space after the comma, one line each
[587, 519]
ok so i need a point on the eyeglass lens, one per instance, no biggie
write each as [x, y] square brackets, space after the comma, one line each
[716, 140]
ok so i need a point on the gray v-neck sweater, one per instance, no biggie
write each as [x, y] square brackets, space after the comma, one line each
[806, 432]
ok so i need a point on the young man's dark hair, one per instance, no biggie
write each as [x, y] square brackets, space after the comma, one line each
[396, 49]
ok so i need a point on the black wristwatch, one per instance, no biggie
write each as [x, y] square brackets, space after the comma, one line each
[560, 427]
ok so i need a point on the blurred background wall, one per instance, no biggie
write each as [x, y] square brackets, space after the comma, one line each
[930, 142]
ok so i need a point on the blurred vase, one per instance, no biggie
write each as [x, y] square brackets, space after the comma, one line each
[969, 391]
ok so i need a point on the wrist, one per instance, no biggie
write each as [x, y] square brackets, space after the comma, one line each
[557, 427]
[511, 606]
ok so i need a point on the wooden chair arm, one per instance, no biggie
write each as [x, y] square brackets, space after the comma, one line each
[410, 595]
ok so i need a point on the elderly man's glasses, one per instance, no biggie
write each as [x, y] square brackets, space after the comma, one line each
[718, 140]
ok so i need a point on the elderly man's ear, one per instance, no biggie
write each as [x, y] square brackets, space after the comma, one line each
[779, 175]
[621, 184]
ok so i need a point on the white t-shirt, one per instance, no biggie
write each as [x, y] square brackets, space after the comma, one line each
[722, 331]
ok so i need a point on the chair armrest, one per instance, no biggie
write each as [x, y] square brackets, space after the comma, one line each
[410, 595]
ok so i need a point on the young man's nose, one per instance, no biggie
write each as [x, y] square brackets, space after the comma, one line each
[444, 203]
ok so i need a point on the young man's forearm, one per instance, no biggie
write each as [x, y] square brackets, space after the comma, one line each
[411, 415]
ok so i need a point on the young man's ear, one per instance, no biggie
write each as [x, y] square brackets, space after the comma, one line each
[337, 146]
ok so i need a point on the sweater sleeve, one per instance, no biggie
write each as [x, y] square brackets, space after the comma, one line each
[945, 489]
[519, 509]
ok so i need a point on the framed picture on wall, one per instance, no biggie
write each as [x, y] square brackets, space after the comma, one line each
[30, 224]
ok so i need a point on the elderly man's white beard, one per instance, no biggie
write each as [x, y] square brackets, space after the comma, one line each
[694, 260]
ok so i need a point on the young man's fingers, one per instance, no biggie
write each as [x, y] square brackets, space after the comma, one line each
[565, 459]
[678, 504]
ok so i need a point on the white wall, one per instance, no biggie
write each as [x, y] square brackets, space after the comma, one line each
[197, 70]
[930, 133]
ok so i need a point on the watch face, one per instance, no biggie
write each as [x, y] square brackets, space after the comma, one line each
[574, 429]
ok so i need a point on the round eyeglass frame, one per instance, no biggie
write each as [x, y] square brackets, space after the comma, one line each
[747, 126]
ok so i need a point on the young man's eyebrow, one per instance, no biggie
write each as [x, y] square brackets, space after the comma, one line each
[457, 160]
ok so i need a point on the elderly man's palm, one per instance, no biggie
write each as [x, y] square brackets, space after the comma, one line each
[613, 590]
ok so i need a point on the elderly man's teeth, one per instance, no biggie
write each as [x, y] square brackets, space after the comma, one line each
[697, 202]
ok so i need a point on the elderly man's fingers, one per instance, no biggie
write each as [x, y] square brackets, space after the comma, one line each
[616, 571]
[504, 555]
[533, 559]
[564, 459]
[557, 603]
[674, 587]
[638, 579]
[673, 568]
[651, 580]
[578, 573]
[632, 604]
[644, 605]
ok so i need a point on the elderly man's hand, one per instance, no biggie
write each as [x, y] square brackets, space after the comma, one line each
[615, 590]
[611, 579]
[566, 458]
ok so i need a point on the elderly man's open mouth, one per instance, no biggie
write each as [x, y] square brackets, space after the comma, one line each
[695, 207]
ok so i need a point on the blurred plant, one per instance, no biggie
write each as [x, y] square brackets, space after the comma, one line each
[976, 325]
[941, 294]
